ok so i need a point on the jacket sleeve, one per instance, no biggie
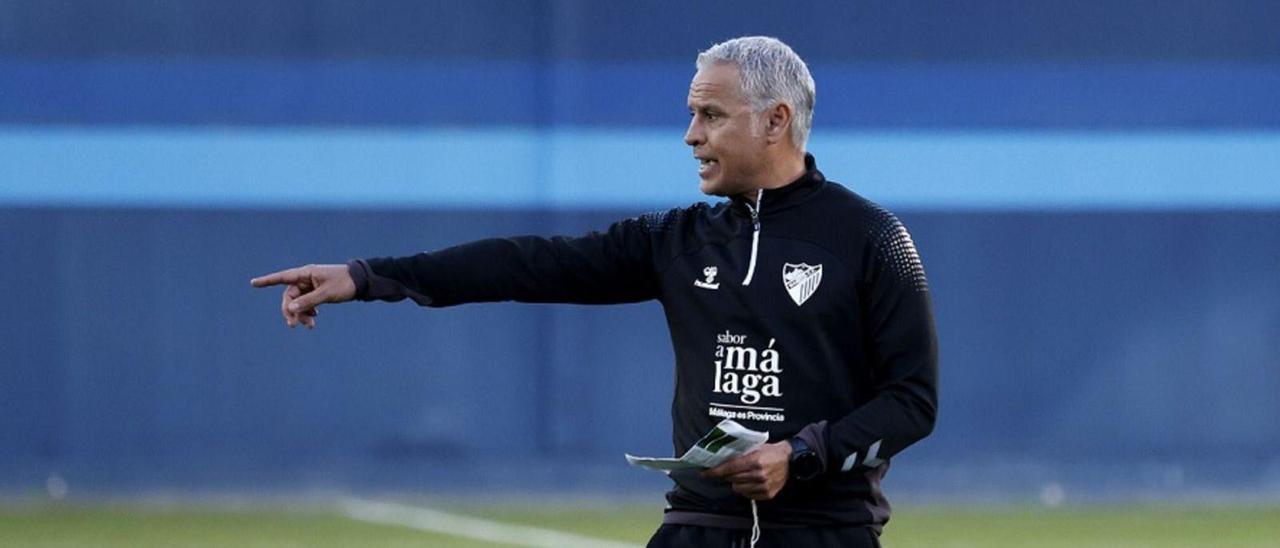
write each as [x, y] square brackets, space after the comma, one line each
[904, 354]
[599, 268]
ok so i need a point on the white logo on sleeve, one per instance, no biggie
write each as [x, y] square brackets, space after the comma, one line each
[710, 274]
[801, 280]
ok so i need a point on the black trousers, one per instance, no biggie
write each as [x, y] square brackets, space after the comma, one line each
[688, 536]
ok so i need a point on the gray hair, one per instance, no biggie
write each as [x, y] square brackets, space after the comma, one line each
[771, 73]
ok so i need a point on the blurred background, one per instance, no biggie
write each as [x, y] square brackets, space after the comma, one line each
[1094, 188]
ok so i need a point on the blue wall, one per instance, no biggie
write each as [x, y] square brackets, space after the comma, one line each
[133, 342]
[1095, 188]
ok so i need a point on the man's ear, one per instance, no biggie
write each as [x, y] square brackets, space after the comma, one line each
[777, 123]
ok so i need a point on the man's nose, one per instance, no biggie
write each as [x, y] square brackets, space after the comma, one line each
[693, 136]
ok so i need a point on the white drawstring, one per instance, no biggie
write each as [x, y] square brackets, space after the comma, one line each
[755, 524]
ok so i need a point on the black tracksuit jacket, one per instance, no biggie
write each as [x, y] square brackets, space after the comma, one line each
[807, 315]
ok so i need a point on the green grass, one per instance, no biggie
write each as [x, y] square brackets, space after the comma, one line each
[933, 527]
[1091, 526]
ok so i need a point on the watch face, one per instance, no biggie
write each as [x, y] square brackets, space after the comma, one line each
[805, 466]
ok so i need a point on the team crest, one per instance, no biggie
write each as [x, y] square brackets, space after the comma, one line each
[801, 280]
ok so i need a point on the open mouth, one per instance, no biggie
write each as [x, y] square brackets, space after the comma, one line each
[705, 165]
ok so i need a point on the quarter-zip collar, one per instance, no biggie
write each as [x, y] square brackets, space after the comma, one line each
[773, 201]
[781, 198]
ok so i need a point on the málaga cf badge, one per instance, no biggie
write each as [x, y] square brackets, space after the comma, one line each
[801, 280]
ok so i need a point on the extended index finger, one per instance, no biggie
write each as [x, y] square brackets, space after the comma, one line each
[289, 276]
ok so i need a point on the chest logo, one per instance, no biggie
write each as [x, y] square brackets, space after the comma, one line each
[801, 280]
[710, 282]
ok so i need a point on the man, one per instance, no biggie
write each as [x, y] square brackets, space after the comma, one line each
[796, 307]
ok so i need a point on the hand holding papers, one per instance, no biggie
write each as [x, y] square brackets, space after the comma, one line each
[724, 442]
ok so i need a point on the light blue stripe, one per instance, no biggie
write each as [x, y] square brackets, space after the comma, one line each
[1059, 170]
[302, 168]
[593, 168]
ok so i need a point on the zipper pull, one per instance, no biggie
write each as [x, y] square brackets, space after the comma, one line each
[755, 211]
[755, 236]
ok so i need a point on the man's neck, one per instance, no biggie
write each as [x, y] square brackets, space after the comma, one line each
[781, 173]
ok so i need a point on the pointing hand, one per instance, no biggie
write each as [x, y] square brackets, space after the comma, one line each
[307, 287]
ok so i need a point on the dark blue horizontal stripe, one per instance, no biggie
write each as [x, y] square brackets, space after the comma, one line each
[494, 29]
[268, 92]
[832, 30]
[651, 94]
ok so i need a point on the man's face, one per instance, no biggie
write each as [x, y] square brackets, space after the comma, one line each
[724, 133]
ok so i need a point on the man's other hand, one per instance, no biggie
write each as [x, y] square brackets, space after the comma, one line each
[307, 287]
[757, 475]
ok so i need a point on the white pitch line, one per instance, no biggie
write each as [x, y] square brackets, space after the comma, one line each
[425, 519]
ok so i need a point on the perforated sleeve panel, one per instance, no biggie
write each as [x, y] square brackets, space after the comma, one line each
[897, 252]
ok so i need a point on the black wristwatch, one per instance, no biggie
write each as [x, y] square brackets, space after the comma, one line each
[805, 464]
